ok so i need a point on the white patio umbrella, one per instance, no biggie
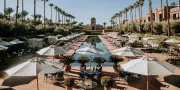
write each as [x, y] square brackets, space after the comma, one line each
[90, 50]
[128, 51]
[63, 39]
[3, 48]
[173, 40]
[149, 66]
[17, 41]
[52, 50]
[30, 68]
[4, 43]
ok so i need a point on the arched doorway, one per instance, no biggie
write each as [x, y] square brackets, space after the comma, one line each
[93, 28]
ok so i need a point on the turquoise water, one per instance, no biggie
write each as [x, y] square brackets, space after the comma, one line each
[93, 40]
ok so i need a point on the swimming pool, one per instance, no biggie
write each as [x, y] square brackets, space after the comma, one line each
[93, 40]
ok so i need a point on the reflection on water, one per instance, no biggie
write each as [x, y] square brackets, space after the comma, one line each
[95, 41]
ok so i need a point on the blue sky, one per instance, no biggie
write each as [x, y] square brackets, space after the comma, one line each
[83, 10]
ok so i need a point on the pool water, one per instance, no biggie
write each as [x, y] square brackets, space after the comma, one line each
[95, 41]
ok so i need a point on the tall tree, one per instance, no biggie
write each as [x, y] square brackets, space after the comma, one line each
[55, 8]
[4, 7]
[8, 11]
[24, 14]
[168, 19]
[135, 7]
[51, 5]
[151, 18]
[17, 7]
[22, 10]
[131, 13]
[35, 10]
[162, 10]
[104, 25]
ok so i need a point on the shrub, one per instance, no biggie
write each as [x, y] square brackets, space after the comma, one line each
[67, 60]
[107, 81]
[157, 28]
[99, 60]
[175, 62]
[175, 27]
[115, 59]
[83, 60]
[69, 82]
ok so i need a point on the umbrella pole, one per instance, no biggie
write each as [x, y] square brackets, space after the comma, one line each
[147, 83]
[90, 62]
[37, 82]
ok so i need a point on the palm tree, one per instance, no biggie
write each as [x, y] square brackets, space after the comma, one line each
[62, 13]
[151, 19]
[56, 12]
[135, 7]
[17, 7]
[8, 11]
[104, 24]
[120, 16]
[131, 13]
[24, 14]
[168, 19]
[44, 10]
[51, 5]
[22, 10]
[126, 11]
[4, 7]
[34, 9]
[161, 10]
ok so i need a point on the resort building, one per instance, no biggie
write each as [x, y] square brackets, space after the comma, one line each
[93, 25]
[160, 14]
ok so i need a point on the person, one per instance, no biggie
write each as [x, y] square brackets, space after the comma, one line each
[98, 68]
[82, 67]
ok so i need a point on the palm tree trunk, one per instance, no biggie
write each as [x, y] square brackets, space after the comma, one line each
[162, 11]
[22, 10]
[4, 7]
[44, 12]
[62, 19]
[150, 10]
[34, 9]
[17, 7]
[135, 14]
[51, 13]
[119, 20]
[56, 16]
[168, 19]
[139, 19]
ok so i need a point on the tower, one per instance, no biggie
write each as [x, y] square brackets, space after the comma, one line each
[93, 23]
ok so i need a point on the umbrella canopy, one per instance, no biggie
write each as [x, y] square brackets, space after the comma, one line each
[149, 66]
[4, 43]
[52, 50]
[17, 41]
[3, 47]
[27, 71]
[128, 51]
[173, 40]
[90, 50]
[63, 39]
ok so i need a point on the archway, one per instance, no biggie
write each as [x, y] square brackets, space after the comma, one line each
[93, 28]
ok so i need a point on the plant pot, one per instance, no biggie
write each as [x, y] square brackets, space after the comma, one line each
[68, 69]
[107, 88]
[68, 88]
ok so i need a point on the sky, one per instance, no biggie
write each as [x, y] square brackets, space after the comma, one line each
[83, 10]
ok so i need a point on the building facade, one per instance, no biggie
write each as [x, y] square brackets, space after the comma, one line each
[160, 14]
[93, 25]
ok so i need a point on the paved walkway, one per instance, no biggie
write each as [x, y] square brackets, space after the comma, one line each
[109, 46]
[72, 51]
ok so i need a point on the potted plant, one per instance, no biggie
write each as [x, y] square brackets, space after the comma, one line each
[67, 60]
[83, 60]
[107, 82]
[115, 59]
[69, 83]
